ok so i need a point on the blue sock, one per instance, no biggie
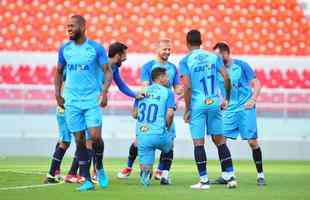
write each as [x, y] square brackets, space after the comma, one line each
[98, 150]
[257, 157]
[225, 158]
[133, 152]
[57, 159]
[74, 165]
[201, 160]
[165, 160]
[84, 157]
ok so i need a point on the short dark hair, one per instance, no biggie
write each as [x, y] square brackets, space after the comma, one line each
[81, 20]
[222, 46]
[116, 48]
[193, 38]
[157, 72]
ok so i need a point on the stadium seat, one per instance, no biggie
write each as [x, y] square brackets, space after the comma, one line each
[275, 21]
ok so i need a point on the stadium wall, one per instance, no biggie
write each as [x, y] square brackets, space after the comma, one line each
[281, 138]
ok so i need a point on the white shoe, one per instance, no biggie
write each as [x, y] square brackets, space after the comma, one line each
[124, 173]
[201, 186]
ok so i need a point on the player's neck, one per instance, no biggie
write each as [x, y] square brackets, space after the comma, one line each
[161, 61]
[81, 40]
[192, 48]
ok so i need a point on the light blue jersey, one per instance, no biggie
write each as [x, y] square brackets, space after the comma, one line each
[238, 120]
[151, 127]
[202, 68]
[171, 71]
[152, 110]
[83, 64]
[241, 75]
[173, 76]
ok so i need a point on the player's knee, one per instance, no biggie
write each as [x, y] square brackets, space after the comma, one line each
[64, 145]
[253, 144]
[218, 140]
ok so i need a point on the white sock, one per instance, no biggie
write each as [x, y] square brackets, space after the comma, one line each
[261, 175]
[227, 175]
[165, 174]
[204, 178]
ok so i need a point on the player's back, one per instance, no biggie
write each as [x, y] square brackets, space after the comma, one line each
[152, 110]
[202, 68]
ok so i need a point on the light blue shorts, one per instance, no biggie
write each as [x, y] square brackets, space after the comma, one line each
[81, 119]
[64, 133]
[241, 123]
[147, 144]
[204, 122]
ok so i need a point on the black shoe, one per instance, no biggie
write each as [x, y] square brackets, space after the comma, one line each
[164, 181]
[261, 182]
[49, 179]
[219, 180]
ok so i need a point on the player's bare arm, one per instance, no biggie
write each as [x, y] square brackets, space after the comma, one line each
[58, 84]
[134, 113]
[187, 97]
[169, 117]
[107, 83]
[256, 86]
[227, 85]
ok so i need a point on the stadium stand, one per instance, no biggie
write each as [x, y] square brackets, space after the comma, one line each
[265, 27]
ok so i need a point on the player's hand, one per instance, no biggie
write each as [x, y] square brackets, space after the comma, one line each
[224, 105]
[104, 100]
[60, 101]
[140, 95]
[186, 116]
[250, 104]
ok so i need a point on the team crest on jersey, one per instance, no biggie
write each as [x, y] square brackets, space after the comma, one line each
[60, 110]
[209, 101]
[144, 128]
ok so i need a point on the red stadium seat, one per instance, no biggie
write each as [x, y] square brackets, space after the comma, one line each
[48, 19]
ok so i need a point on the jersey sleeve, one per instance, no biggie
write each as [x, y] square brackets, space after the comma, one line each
[122, 86]
[219, 63]
[170, 100]
[183, 67]
[145, 72]
[61, 58]
[102, 55]
[248, 72]
[135, 104]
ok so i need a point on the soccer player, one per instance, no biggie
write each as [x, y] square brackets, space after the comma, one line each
[199, 70]
[161, 60]
[61, 147]
[154, 116]
[240, 116]
[117, 55]
[83, 59]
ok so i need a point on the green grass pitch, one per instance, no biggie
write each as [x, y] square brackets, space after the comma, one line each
[285, 180]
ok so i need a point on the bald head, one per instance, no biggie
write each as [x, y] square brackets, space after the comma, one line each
[164, 49]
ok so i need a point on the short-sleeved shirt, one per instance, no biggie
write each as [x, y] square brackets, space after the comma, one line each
[152, 110]
[202, 68]
[241, 75]
[171, 71]
[83, 65]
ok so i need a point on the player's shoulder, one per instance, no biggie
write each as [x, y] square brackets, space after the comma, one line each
[65, 44]
[148, 64]
[241, 63]
[95, 44]
[172, 65]
[184, 59]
